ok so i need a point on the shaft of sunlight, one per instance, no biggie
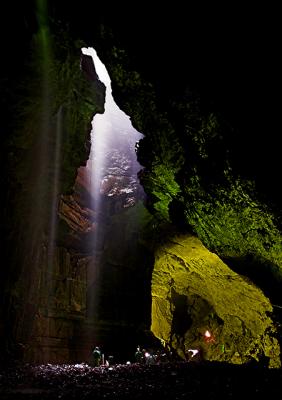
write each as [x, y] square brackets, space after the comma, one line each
[112, 132]
[112, 170]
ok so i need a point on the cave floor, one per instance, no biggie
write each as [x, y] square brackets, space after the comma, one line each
[174, 380]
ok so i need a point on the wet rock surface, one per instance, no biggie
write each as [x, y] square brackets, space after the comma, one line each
[177, 380]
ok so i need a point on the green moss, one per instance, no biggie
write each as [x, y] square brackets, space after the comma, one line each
[160, 150]
[56, 87]
[231, 222]
[162, 179]
[195, 171]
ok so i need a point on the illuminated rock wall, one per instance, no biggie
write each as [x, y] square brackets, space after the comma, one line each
[193, 291]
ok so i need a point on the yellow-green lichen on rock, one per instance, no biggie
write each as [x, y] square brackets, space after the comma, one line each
[193, 291]
[234, 224]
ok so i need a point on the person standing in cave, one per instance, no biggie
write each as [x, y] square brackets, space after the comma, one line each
[96, 357]
[138, 355]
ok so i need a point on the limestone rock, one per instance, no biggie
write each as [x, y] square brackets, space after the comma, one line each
[198, 302]
[79, 219]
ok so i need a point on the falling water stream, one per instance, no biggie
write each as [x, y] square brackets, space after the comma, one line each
[114, 185]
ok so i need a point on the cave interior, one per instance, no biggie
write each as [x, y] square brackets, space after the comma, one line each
[181, 244]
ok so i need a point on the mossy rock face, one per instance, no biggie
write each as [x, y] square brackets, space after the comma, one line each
[191, 175]
[193, 292]
[232, 222]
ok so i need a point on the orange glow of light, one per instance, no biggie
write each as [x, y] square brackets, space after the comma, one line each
[209, 338]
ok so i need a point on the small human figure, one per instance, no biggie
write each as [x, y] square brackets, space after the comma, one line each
[111, 360]
[96, 356]
[149, 358]
[138, 355]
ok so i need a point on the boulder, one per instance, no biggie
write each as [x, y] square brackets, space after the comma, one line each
[199, 303]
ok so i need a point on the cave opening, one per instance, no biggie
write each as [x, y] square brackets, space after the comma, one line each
[112, 166]
[117, 296]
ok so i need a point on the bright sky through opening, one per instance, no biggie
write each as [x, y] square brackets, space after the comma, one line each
[112, 137]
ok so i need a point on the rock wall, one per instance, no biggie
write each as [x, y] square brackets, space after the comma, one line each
[61, 296]
[198, 302]
[190, 152]
[54, 102]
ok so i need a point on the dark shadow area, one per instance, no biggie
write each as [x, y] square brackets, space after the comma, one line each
[181, 321]
[173, 380]
[260, 273]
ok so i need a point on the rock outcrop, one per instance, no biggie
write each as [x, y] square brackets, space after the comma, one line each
[198, 302]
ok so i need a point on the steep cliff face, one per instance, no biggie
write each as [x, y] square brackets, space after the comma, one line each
[47, 142]
[199, 303]
[107, 248]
